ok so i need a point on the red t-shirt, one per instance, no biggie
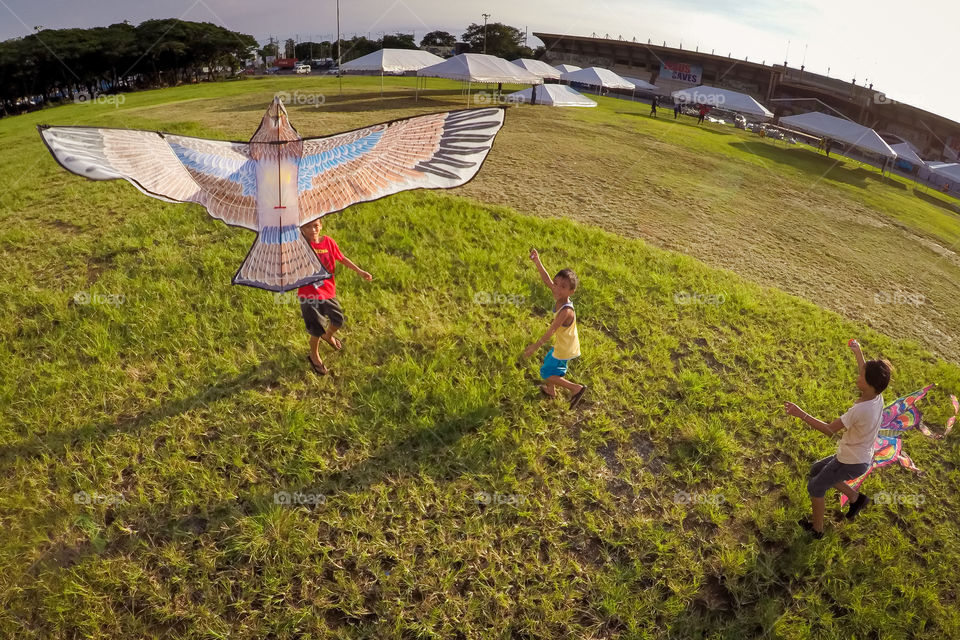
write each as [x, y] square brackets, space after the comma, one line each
[329, 254]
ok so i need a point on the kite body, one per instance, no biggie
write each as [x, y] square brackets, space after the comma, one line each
[278, 181]
[900, 416]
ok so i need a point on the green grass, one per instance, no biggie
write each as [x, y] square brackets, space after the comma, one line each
[666, 507]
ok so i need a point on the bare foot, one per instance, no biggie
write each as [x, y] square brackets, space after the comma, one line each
[549, 394]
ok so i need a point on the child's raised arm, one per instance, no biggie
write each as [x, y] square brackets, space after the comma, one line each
[543, 272]
[858, 354]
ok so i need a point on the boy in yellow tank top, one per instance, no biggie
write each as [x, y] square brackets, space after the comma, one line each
[563, 330]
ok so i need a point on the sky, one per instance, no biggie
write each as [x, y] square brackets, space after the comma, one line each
[905, 49]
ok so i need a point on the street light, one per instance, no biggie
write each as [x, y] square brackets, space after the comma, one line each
[485, 16]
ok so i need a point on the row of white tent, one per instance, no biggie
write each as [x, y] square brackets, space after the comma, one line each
[482, 68]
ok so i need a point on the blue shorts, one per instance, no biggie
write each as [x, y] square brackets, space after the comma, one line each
[552, 366]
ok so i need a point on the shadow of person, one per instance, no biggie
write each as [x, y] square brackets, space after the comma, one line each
[55, 443]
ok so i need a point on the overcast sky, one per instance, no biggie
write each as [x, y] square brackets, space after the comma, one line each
[907, 49]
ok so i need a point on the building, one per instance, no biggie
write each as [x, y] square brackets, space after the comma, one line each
[785, 90]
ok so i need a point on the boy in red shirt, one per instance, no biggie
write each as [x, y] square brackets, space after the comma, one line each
[320, 300]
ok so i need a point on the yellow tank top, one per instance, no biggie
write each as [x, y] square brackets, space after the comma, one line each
[566, 342]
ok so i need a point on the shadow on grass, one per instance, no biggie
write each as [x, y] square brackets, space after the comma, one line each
[816, 165]
[775, 571]
[356, 102]
[668, 117]
[934, 200]
[55, 444]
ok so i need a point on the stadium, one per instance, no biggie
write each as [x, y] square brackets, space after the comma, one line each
[785, 89]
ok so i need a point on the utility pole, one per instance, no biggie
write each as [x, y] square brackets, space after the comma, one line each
[485, 16]
[339, 50]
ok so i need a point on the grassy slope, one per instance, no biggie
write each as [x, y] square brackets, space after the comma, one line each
[829, 230]
[191, 400]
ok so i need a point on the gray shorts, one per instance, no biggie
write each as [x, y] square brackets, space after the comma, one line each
[315, 311]
[828, 472]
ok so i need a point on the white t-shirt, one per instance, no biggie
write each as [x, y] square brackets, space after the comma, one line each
[861, 422]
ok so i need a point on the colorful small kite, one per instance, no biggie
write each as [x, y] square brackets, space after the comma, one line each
[278, 181]
[900, 416]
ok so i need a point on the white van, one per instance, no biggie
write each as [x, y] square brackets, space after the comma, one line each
[301, 68]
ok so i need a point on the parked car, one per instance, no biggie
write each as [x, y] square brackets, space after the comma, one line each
[302, 68]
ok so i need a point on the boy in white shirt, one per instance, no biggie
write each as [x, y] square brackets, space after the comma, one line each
[855, 451]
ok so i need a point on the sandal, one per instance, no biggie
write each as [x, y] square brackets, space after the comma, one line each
[577, 397]
[333, 342]
[544, 392]
[319, 369]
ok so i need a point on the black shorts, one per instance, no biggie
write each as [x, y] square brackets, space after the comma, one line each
[314, 311]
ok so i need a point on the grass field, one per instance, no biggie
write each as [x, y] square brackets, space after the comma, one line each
[447, 499]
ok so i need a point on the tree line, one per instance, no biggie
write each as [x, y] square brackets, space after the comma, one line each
[501, 40]
[54, 65]
[64, 64]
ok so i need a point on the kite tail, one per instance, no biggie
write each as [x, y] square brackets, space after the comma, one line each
[949, 426]
[280, 259]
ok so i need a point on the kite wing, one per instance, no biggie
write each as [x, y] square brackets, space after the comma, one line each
[902, 414]
[437, 151]
[218, 175]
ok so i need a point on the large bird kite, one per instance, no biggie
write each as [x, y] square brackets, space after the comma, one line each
[278, 181]
[901, 416]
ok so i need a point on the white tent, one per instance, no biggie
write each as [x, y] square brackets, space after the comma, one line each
[722, 99]
[566, 68]
[947, 170]
[392, 61]
[479, 67]
[907, 153]
[840, 129]
[555, 95]
[641, 85]
[597, 77]
[538, 68]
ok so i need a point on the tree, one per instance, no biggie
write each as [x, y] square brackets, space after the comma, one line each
[358, 46]
[289, 48]
[312, 50]
[114, 58]
[438, 39]
[269, 49]
[502, 40]
[398, 41]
